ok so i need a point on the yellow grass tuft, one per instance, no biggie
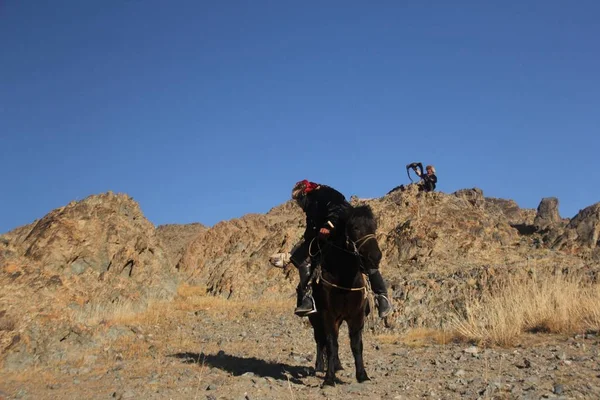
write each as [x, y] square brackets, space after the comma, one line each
[120, 311]
[189, 299]
[555, 304]
[187, 291]
[11, 269]
[195, 298]
[419, 337]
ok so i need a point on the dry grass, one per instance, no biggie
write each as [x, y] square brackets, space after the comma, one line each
[121, 311]
[419, 337]
[188, 291]
[188, 299]
[553, 304]
[10, 269]
[30, 374]
[193, 298]
[7, 323]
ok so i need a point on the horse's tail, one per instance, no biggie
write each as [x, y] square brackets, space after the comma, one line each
[361, 222]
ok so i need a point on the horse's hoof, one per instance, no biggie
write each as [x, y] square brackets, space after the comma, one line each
[362, 377]
[328, 382]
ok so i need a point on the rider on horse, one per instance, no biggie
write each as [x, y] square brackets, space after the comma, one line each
[326, 212]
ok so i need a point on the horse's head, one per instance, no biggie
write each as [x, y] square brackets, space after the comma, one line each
[340, 262]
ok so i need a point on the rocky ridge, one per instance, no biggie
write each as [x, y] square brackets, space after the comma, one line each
[62, 274]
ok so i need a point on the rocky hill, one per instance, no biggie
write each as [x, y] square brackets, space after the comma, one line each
[101, 254]
[436, 248]
[176, 238]
[79, 261]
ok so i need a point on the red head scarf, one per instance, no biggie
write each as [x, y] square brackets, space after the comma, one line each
[303, 187]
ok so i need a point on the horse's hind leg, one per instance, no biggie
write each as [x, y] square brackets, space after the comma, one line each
[355, 329]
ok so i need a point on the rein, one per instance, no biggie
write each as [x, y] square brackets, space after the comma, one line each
[360, 243]
[317, 273]
[319, 277]
[310, 253]
[364, 240]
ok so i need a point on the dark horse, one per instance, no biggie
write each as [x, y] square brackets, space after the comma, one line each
[340, 294]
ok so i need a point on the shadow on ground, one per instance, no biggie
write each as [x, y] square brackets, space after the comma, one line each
[241, 365]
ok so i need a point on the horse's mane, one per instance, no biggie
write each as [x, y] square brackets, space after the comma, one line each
[361, 222]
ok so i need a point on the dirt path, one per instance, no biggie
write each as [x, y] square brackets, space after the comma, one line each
[217, 350]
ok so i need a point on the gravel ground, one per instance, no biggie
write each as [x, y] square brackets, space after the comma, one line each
[262, 354]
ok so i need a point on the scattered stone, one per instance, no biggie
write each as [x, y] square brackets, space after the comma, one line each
[558, 389]
[21, 393]
[526, 364]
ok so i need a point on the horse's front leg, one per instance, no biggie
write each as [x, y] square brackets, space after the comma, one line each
[316, 321]
[337, 363]
[332, 332]
[321, 357]
[355, 328]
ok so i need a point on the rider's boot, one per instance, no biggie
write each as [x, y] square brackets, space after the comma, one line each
[305, 302]
[382, 300]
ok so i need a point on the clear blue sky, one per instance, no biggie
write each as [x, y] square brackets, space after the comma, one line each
[205, 111]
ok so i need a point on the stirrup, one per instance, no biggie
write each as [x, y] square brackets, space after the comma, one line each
[384, 311]
[304, 311]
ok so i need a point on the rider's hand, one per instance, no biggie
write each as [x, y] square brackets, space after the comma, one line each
[324, 233]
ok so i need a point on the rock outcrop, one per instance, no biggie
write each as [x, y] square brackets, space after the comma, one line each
[104, 236]
[547, 215]
[176, 238]
[582, 235]
[96, 256]
[231, 258]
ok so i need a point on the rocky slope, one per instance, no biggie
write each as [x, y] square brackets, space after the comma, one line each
[436, 248]
[176, 238]
[78, 262]
[65, 274]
